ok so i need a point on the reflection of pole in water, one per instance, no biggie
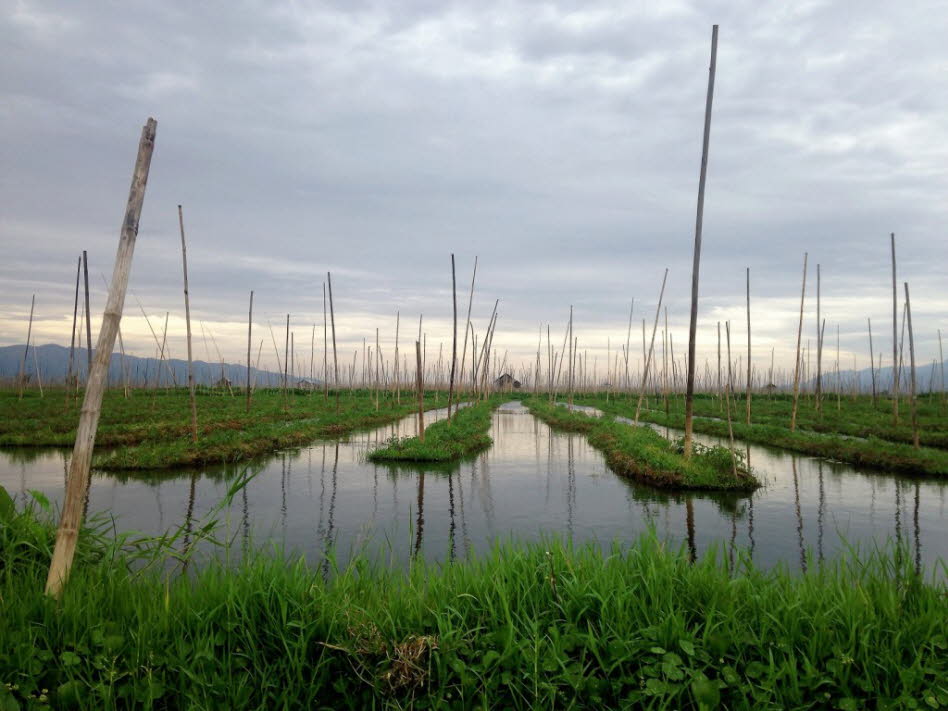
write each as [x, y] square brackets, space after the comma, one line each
[451, 526]
[246, 517]
[796, 499]
[283, 495]
[750, 525]
[570, 485]
[733, 544]
[420, 523]
[161, 510]
[898, 523]
[690, 527]
[188, 518]
[332, 511]
[464, 536]
[918, 542]
[819, 512]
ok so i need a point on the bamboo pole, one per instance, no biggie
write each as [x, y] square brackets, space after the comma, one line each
[29, 334]
[326, 349]
[895, 340]
[693, 324]
[335, 360]
[78, 481]
[872, 369]
[470, 301]
[748, 345]
[908, 311]
[727, 400]
[454, 341]
[419, 382]
[819, 347]
[187, 319]
[941, 360]
[796, 365]
[249, 336]
[72, 341]
[85, 274]
[36, 367]
[651, 348]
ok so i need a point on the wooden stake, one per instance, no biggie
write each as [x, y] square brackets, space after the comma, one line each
[908, 311]
[419, 382]
[249, 336]
[796, 365]
[78, 481]
[454, 339]
[29, 334]
[693, 325]
[187, 319]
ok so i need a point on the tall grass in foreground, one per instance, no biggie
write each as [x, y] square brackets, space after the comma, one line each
[525, 626]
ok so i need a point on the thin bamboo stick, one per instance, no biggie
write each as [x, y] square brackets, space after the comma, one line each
[72, 341]
[29, 331]
[454, 338]
[187, 319]
[421, 392]
[796, 367]
[249, 336]
[651, 348]
[748, 345]
[85, 274]
[914, 404]
[895, 340]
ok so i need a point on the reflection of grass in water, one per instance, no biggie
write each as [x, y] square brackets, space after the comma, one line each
[465, 435]
[523, 626]
[642, 454]
[873, 452]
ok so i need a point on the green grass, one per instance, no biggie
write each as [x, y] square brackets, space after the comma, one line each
[151, 430]
[873, 452]
[644, 455]
[525, 626]
[465, 435]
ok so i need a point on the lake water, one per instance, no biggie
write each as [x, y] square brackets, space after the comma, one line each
[531, 484]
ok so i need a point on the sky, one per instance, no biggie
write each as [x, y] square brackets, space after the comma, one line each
[557, 142]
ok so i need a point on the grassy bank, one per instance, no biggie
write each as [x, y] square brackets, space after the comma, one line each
[151, 430]
[531, 626]
[465, 435]
[642, 454]
[872, 452]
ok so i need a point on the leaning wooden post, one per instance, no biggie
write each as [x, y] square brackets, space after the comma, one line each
[748, 345]
[895, 340]
[187, 320]
[796, 364]
[85, 272]
[29, 333]
[693, 326]
[454, 341]
[908, 313]
[249, 334]
[78, 481]
[419, 382]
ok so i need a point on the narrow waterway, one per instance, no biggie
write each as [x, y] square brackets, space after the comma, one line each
[532, 483]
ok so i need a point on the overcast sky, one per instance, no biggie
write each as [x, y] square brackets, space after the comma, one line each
[559, 142]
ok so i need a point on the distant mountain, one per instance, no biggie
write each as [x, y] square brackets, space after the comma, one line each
[53, 362]
[927, 378]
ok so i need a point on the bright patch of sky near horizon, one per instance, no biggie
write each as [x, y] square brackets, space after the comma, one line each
[559, 142]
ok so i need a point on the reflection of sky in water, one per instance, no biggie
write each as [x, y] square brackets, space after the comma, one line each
[532, 483]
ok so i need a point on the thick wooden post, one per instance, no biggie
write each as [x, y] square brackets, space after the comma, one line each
[187, 320]
[693, 325]
[78, 481]
[796, 364]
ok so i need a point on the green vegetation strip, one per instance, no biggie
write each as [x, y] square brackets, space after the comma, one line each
[151, 430]
[642, 454]
[523, 627]
[872, 452]
[465, 435]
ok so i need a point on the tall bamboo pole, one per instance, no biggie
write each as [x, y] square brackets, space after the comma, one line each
[651, 348]
[796, 364]
[895, 340]
[187, 319]
[454, 338]
[467, 326]
[29, 334]
[78, 481]
[335, 360]
[85, 274]
[748, 345]
[819, 347]
[872, 368]
[693, 325]
[941, 360]
[908, 311]
[249, 335]
[419, 383]
[72, 341]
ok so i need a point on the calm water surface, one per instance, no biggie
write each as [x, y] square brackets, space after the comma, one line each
[532, 483]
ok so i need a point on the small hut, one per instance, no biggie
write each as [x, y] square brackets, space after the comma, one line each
[507, 382]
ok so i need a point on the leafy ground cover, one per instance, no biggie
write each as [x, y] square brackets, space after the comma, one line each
[526, 626]
[642, 454]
